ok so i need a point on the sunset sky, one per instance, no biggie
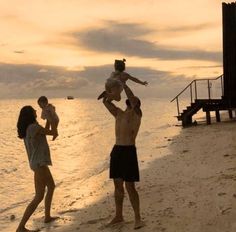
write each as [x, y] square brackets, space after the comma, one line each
[68, 47]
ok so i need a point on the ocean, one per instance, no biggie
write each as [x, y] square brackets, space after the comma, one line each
[86, 136]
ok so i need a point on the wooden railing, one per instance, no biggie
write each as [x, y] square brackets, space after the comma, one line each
[193, 88]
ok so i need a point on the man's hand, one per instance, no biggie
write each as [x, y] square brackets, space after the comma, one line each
[128, 91]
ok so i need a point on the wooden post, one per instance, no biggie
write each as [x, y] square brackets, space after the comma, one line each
[191, 93]
[218, 116]
[209, 89]
[195, 86]
[177, 102]
[222, 85]
[208, 117]
[229, 52]
[230, 114]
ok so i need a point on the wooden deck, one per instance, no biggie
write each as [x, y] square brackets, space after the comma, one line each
[207, 106]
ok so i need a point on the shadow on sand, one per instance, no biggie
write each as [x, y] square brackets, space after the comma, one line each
[190, 189]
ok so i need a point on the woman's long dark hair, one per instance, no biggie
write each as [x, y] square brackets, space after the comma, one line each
[26, 117]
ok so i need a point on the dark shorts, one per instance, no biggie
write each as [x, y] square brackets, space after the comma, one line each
[124, 163]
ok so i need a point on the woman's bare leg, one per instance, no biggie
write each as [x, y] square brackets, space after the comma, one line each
[48, 199]
[39, 194]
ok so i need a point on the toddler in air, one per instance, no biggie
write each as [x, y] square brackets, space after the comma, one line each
[114, 84]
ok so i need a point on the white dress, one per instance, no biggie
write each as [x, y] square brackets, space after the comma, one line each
[37, 147]
[116, 79]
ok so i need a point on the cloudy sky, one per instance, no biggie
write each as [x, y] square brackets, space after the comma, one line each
[68, 47]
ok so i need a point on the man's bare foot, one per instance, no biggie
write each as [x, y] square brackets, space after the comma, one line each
[102, 95]
[138, 224]
[50, 219]
[23, 229]
[115, 220]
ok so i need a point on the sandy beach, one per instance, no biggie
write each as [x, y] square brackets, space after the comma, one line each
[191, 188]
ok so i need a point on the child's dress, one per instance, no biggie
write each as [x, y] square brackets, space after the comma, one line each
[116, 80]
[37, 147]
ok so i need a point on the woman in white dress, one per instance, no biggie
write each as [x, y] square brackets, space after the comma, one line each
[38, 152]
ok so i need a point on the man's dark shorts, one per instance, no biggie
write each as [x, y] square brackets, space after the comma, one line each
[124, 163]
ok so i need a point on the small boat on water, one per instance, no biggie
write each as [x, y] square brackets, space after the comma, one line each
[70, 97]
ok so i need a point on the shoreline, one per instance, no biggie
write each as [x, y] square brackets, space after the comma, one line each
[190, 187]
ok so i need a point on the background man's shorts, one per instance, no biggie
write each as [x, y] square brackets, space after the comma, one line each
[124, 163]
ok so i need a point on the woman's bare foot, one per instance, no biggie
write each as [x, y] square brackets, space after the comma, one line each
[50, 219]
[138, 224]
[23, 229]
[115, 220]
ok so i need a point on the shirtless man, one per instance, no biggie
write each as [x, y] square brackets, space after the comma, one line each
[123, 160]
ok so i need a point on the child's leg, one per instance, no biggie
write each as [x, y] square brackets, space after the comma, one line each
[116, 93]
[102, 95]
[54, 129]
[50, 190]
[39, 194]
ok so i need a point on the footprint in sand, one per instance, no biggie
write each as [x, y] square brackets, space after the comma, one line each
[226, 211]
[72, 203]
[228, 177]
[68, 211]
[94, 221]
[221, 194]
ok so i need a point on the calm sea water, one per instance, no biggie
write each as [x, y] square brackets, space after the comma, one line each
[86, 136]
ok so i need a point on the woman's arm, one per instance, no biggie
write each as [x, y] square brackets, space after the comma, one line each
[47, 126]
[44, 131]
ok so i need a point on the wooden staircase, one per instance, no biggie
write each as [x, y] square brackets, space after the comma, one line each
[207, 104]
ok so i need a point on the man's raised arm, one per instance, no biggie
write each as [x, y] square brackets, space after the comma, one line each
[110, 106]
[134, 101]
[130, 95]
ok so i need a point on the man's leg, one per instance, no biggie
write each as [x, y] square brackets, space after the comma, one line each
[119, 197]
[134, 200]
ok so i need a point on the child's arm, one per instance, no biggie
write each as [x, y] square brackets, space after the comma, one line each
[137, 80]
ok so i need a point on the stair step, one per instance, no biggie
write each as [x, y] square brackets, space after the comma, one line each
[179, 118]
